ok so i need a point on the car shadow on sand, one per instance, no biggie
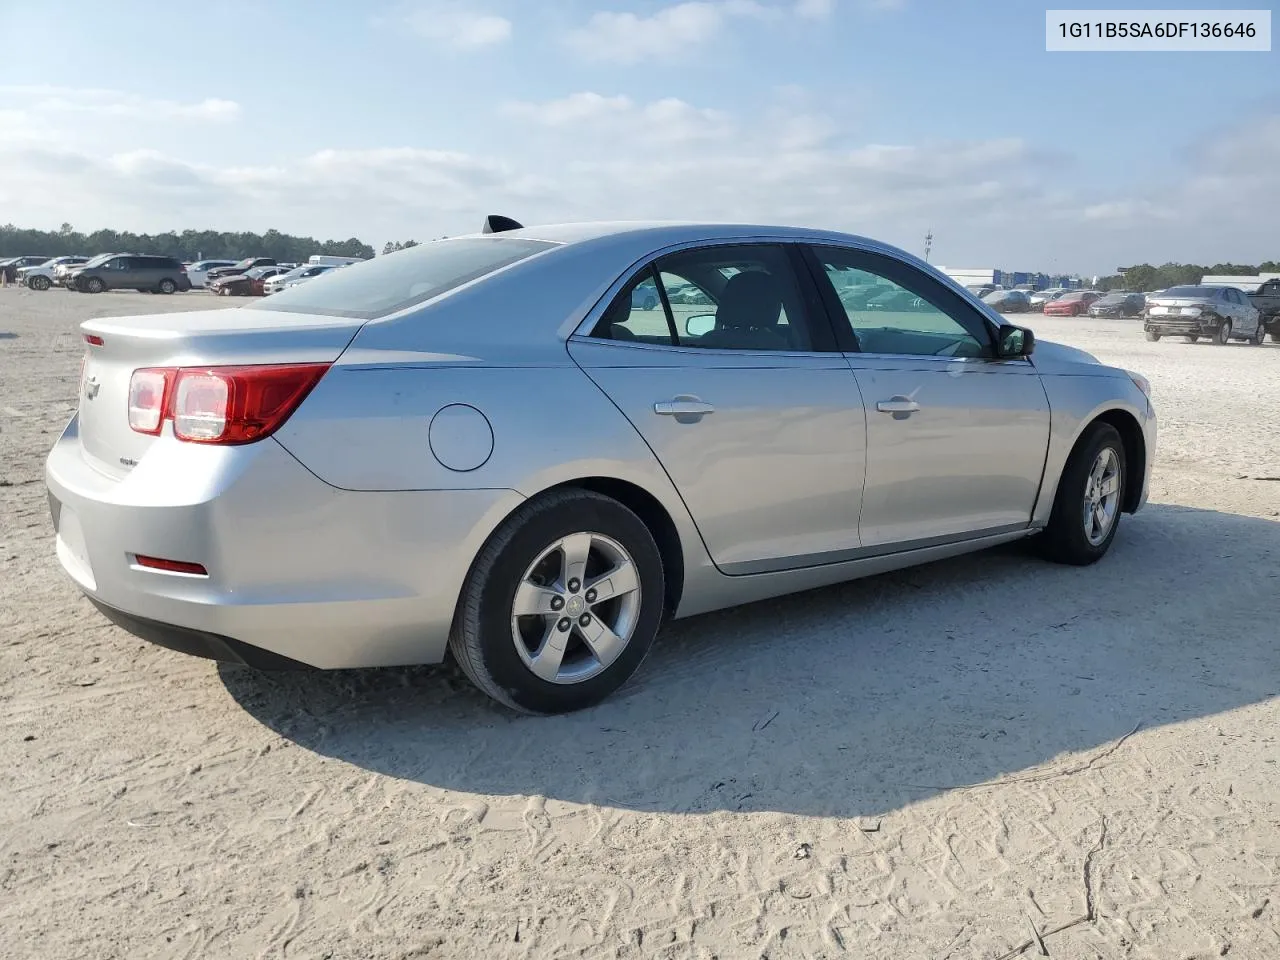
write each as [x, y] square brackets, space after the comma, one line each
[850, 700]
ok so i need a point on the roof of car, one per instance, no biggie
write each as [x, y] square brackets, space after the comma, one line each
[664, 232]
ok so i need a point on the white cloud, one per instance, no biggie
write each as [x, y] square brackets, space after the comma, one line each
[42, 100]
[815, 9]
[455, 24]
[594, 117]
[628, 38]
[602, 155]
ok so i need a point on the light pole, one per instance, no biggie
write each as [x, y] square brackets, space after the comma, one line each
[928, 245]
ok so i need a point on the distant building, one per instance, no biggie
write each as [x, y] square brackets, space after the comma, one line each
[1008, 279]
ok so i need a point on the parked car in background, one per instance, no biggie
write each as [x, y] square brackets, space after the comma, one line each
[1118, 303]
[1221, 314]
[1041, 297]
[287, 277]
[1008, 301]
[316, 480]
[1267, 302]
[240, 266]
[320, 258]
[130, 272]
[198, 272]
[247, 284]
[1072, 303]
[980, 290]
[9, 268]
[63, 270]
[41, 277]
[895, 299]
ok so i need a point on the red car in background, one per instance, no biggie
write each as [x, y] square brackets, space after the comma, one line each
[247, 284]
[1073, 304]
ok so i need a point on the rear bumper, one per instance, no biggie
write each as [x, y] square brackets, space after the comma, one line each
[1182, 326]
[197, 643]
[297, 570]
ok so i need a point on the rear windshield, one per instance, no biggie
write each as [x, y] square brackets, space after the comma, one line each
[383, 285]
[1188, 292]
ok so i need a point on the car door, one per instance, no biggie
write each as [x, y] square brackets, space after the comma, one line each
[1245, 317]
[726, 365]
[116, 273]
[956, 439]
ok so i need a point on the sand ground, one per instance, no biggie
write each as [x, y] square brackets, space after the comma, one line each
[948, 762]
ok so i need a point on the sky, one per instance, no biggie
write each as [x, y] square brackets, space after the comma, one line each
[397, 120]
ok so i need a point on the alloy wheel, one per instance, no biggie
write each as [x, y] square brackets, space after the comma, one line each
[1102, 496]
[576, 608]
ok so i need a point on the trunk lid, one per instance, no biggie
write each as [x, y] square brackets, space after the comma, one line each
[1173, 305]
[198, 339]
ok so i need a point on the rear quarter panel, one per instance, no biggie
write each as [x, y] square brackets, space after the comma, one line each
[370, 428]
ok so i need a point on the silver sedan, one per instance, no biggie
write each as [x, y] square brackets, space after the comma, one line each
[519, 447]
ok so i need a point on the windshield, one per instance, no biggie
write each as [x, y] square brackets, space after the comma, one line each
[397, 280]
[1196, 292]
[100, 259]
[1071, 297]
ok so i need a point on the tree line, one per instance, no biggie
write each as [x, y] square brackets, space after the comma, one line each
[1145, 277]
[189, 245]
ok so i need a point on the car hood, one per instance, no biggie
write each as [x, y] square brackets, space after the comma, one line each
[1051, 357]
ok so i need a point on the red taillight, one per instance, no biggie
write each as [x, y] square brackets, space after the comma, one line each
[93, 339]
[170, 566]
[227, 405]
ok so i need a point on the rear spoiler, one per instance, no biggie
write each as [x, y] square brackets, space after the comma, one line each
[496, 223]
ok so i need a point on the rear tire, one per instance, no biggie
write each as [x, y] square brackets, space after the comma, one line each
[1259, 335]
[1191, 338]
[1153, 336]
[1223, 336]
[492, 642]
[1067, 538]
[39, 283]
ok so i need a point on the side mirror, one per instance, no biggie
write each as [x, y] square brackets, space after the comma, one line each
[1013, 342]
[699, 324]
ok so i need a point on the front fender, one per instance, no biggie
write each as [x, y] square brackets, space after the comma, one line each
[1077, 402]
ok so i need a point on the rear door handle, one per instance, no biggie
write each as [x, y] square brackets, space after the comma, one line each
[898, 405]
[684, 409]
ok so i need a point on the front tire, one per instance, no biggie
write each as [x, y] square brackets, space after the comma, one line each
[1259, 335]
[561, 605]
[1087, 507]
[167, 286]
[1191, 338]
[1223, 336]
[1153, 336]
[39, 283]
[95, 285]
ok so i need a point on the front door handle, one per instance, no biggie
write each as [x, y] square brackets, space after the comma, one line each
[685, 409]
[898, 405]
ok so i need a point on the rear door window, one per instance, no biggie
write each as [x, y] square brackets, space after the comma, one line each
[718, 297]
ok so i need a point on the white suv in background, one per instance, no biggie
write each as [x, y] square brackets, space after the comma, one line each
[40, 277]
[198, 271]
